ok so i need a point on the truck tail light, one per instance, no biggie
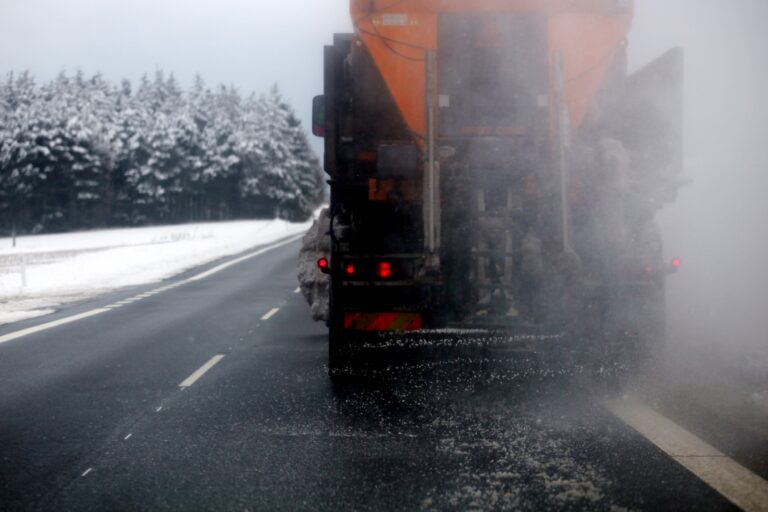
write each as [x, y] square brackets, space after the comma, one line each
[349, 269]
[676, 262]
[323, 265]
[385, 270]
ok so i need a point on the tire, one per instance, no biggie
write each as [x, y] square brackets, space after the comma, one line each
[338, 357]
[637, 340]
[651, 329]
[337, 345]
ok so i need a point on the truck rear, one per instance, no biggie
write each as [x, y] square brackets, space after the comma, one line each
[494, 169]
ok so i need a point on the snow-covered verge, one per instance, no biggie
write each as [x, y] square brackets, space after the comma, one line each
[42, 272]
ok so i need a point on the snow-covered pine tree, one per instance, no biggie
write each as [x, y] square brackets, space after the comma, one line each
[18, 176]
[56, 154]
[155, 172]
[81, 152]
[27, 164]
[94, 131]
[271, 184]
[132, 152]
[225, 154]
[194, 142]
[6, 222]
[305, 168]
[290, 175]
[251, 154]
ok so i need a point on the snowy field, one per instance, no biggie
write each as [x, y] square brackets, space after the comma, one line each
[43, 272]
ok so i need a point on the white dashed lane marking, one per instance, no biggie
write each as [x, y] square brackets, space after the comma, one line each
[270, 313]
[201, 371]
[86, 471]
[297, 290]
[739, 485]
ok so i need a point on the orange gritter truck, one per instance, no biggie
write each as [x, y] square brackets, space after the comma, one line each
[494, 169]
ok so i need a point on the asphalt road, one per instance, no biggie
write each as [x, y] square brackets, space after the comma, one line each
[92, 417]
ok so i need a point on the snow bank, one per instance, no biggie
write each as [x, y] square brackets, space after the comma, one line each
[45, 271]
[314, 284]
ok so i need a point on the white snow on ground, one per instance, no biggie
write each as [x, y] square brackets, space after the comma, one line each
[17, 312]
[44, 271]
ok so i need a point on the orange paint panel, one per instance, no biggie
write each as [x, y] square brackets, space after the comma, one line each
[399, 53]
[588, 44]
[378, 190]
[587, 33]
[363, 7]
[384, 190]
[531, 185]
[367, 156]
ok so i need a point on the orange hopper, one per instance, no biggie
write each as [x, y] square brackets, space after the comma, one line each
[586, 35]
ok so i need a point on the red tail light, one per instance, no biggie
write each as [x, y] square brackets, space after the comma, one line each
[349, 269]
[323, 264]
[385, 270]
[676, 262]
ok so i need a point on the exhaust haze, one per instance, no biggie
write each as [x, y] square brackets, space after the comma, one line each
[718, 224]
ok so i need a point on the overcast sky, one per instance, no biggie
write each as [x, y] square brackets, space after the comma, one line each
[249, 43]
[718, 226]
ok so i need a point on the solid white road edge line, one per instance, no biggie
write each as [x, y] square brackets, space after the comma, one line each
[201, 371]
[739, 485]
[51, 325]
[228, 264]
[75, 318]
[269, 314]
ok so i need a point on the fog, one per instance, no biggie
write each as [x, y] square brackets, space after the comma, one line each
[717, 226]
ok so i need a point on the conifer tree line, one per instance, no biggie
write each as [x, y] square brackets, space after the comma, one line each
[81, 152]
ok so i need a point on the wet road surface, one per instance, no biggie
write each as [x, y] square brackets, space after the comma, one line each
[93, 417]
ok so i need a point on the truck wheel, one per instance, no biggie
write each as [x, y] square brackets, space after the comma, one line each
[341, 358]
[638, 340]
[336, 352]
[651, 330]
